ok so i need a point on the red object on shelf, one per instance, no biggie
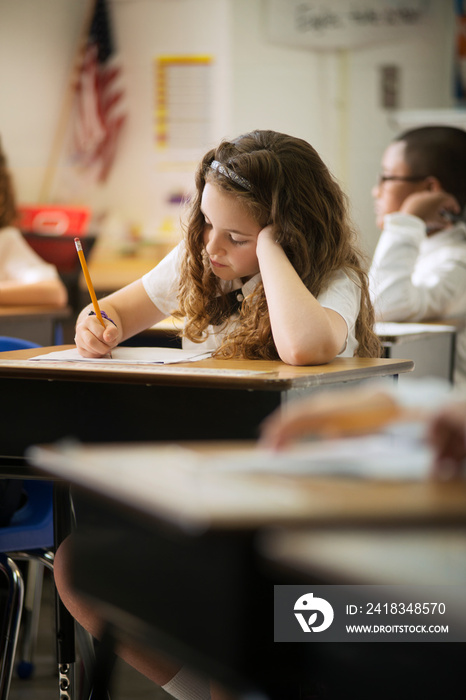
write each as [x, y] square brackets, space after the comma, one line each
[54, 220]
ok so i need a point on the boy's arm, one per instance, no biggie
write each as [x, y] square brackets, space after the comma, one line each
[395, 295]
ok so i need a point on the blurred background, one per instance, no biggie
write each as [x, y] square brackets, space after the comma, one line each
[345, 76]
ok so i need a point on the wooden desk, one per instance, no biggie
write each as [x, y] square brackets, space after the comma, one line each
[206, 597]
[35, 323]
[209, 399]
[432, 346]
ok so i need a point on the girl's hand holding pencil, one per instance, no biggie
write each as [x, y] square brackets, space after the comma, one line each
[94, 339]
[96, 333]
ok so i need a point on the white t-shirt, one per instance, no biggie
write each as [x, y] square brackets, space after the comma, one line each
[18, 261]
[415, 277]
[161, 284]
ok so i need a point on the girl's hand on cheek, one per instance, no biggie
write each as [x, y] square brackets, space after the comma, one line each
[267, 235]
[268, 232]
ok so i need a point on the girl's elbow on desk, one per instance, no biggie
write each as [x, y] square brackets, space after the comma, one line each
[304, 355]
[319, 347]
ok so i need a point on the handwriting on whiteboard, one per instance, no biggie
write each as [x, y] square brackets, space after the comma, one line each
[338, 24]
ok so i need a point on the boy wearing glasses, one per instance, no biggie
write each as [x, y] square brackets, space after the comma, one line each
[419, 267]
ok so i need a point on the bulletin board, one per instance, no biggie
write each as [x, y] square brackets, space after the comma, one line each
[344, 24]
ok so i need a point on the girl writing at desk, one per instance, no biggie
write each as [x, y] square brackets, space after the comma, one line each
[268, 268]
[25, 278]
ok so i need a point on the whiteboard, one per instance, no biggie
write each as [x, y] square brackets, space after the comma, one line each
[344, 24]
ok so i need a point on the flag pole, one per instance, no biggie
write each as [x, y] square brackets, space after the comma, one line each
[66, 106]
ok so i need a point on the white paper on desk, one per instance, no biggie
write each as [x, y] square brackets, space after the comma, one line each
[129, 355]
[391, 455]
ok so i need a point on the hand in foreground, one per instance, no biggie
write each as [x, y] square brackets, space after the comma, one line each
[335, 414]
[329, 414]
[446, 433]
[92, 339]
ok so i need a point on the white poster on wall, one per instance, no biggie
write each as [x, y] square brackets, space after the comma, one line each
[344, 24]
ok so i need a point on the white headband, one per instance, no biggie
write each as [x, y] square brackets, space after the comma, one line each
[228, 172]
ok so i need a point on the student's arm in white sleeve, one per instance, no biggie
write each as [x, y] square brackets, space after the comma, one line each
[392, 292]
[304, 332]
[396, 294]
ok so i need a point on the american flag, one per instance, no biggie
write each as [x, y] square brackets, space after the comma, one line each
[98, 107]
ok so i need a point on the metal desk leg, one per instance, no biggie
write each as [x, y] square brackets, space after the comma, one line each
[9, 639]
[66, 655]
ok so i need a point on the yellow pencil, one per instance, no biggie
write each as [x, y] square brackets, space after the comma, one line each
[87, 277]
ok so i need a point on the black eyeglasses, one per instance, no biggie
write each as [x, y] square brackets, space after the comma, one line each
[400, 178]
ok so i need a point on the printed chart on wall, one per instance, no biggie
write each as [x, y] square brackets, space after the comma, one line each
[182, 132]
[183, 121]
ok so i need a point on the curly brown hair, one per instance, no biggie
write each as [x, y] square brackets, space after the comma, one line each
[292, 189]
[8, 212]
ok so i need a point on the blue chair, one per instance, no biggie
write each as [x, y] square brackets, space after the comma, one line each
[10, 343]
[29, 536]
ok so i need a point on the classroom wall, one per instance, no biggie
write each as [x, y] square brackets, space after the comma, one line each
[331, 98]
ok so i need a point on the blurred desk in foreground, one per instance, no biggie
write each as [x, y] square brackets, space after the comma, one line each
[375, 555]
[38, 324]
[232, 485]
[218, 537]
